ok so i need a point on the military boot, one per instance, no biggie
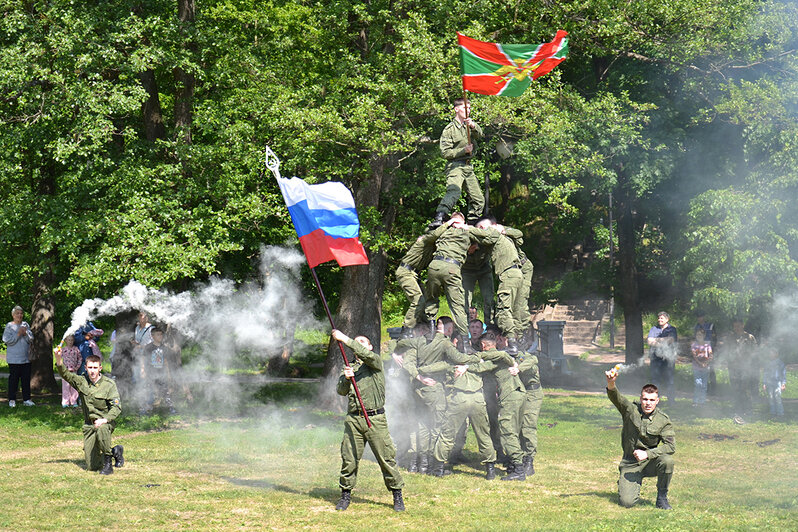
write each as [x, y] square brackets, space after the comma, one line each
[516, 474]
[119, 458]
[423, 464]
[490, 471]
[438, 469]
[662, 500]
[413, 467]
[398, 501]
[438, 221]
[343, 502]
[108, 467]
[529, 466]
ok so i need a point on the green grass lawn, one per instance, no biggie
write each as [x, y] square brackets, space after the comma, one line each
[275, 466]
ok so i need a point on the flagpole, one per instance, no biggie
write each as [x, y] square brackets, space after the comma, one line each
[271, 162]
[468, 134]
[341, 346]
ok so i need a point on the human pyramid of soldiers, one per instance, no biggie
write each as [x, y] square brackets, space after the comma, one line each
[451, 372]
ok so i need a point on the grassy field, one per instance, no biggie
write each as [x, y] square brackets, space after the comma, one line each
[275, 466]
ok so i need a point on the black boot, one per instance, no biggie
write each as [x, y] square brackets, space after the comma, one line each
[529, 466]
[423, 464]
[119, 458]
[438, 221]
[398, 501]
[517, 473]
[438, 469]
[343, 502]
[413, 467]
[108, 468]
[490, 471]
[662, 500]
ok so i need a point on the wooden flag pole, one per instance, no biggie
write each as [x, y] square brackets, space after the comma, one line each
[341, 346]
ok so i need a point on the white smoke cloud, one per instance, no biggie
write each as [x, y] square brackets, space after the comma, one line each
[219, 319]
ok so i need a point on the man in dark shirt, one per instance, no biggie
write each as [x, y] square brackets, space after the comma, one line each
[662, 339]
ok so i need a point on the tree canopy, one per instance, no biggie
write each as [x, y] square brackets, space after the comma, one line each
[133, 133]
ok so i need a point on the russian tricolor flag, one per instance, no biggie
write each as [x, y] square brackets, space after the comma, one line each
[325, 220]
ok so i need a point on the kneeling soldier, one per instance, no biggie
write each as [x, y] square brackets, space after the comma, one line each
[99, 399]
[368, 373]
[645, 427]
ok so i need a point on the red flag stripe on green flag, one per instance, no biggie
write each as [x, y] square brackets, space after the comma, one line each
[507, 69]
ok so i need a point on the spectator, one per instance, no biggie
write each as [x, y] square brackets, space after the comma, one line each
[709, 337]
[155, 372]
[742, 361]
[18, 337]
[85, 341]
[774, 381]
[73, 362]
[662, 338]
[702, 358]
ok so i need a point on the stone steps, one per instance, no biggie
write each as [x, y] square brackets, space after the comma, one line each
[581, 317]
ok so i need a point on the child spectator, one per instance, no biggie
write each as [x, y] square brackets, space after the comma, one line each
[73, 361]
[702, 356]
[84, 340]
[774, 380]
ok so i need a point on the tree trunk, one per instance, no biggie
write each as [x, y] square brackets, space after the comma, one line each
[500, 207]
[630, 296]
[151, 108]
[185, 80]
[360, 307]
[41, 354]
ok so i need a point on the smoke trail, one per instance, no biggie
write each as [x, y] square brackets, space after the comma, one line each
[219, 319]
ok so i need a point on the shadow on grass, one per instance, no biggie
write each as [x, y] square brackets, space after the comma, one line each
[80, 464]
[327, 495]
[611, 496]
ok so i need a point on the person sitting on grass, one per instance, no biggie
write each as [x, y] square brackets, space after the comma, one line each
[99, 399]
[645, 427]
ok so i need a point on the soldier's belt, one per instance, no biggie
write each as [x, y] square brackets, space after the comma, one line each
[446, 259]
[405, 265]
[373, 412]
[514, 266]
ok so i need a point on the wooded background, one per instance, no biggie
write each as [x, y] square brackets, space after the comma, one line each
[132, 137]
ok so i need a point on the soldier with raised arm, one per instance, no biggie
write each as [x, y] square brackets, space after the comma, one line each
[367, 371]
[648, 442]
[99, 400]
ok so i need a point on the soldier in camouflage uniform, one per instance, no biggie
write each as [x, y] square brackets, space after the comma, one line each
[99, 400]
[367, 371]
[478, 269]
[511, 401]
[507, 267]
[648, 442]
[443, 273]
[457, 150]
[521, 309]
[412, 264]
[533, 400]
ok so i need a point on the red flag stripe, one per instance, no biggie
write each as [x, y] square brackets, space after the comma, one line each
[550, 48]
[488, 51]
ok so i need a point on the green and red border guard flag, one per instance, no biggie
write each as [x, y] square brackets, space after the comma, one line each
[507, 69]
